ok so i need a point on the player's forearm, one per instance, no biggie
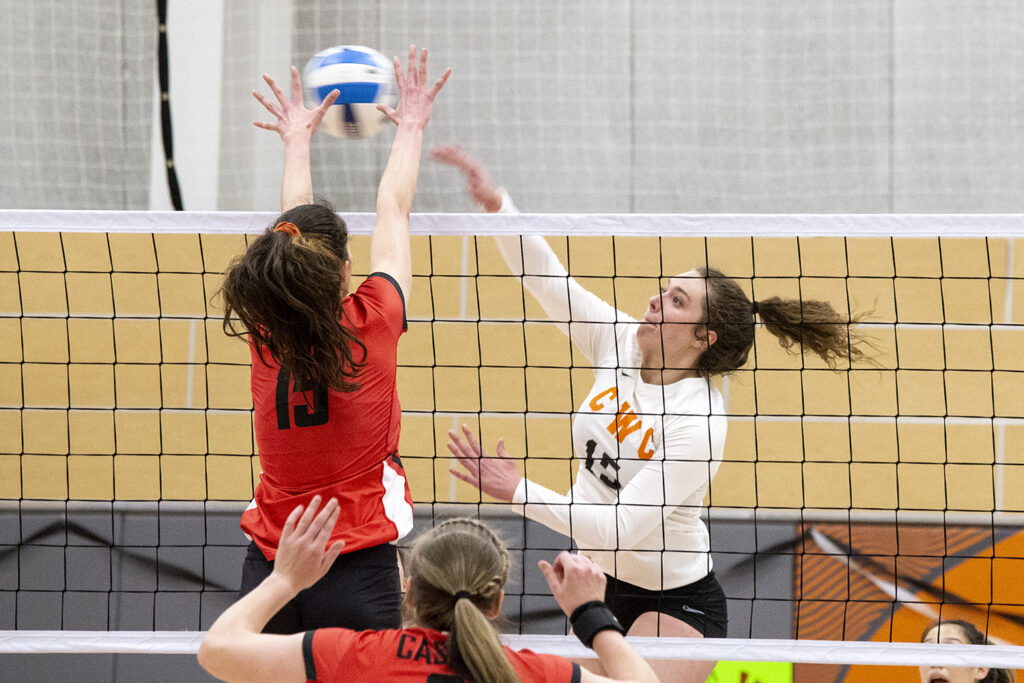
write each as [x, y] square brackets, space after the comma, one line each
[297, 180]
[251, 613]
[594, 526]
[389, 248]
[398, 182]
[620, 660]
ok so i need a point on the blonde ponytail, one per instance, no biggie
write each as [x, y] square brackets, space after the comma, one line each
[458, 571]
[473, 640]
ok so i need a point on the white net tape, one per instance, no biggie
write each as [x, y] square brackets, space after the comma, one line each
[709, 649]
[636, 225]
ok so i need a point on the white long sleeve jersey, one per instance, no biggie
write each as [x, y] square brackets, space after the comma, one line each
[647, 452]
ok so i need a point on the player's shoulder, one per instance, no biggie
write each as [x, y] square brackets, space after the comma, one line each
[694, 397]
[379, 296]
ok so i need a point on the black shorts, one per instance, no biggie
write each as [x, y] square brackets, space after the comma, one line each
[700, 604]
[361, 590]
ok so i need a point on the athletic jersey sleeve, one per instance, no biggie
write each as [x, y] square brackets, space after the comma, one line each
[679, 468]
[380, 294]
[589, 321]
[532, 667]
[326, 652]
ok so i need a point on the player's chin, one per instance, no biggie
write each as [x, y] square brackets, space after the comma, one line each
[645, 329]
[648, 338]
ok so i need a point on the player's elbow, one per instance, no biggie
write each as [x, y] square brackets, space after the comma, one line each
[214, 656]
[394, 202]
[207, 654]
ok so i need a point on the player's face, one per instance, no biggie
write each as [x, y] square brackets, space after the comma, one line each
[346, 277]
[951, 634]
[671, 328]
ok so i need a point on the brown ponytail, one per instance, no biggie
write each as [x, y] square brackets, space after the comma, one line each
[800, 326]
[286, 293]
[458, 557]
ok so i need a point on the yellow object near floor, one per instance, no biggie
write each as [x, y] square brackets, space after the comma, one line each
[752, 672]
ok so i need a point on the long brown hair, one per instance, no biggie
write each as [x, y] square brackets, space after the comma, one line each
[285, 290]
[800, 326]
[462, 555]
[974, 637]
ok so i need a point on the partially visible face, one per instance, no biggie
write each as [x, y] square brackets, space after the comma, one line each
[671, 324]
[346, 277]
[954, 635]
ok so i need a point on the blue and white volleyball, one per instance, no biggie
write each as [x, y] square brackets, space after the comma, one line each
[365, 79]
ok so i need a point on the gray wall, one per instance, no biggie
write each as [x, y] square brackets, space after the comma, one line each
[683, 106]
[576, 106]
[170, 566]
[76, 118]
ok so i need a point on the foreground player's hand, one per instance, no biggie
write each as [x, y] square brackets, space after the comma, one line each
[293, 119]
[416, 99]
[478, 183]
[302, 553]
[495, 476]
[574, 580]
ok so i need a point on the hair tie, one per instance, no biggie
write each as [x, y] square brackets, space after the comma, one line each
[463, 594]
[290, 228]
[753, 307]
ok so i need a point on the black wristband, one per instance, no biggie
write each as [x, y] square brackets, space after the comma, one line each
[591, 618]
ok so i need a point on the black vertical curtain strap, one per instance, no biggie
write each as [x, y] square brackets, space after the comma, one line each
[165, 105]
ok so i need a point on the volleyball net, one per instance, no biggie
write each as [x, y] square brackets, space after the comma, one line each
[854, 504]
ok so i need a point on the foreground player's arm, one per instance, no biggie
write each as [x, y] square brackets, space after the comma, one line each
[562, 298]
[296, 125]
[576, 582]
[389, 248]
[659, 485]
[234, 648]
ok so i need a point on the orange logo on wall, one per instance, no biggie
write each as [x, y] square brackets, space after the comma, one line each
[848, 576]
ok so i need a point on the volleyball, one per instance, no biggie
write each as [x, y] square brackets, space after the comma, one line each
[365, 79]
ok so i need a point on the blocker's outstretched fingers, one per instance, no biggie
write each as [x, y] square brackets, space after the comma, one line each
[276, 89]
[321, 110]
[389, 112]
[423, 66]
[440, 82]
[296, 85]
[267, 104]
[411, 75]
[399, 76]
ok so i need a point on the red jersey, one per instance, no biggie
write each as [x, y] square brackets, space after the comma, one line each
[412, 655]
[341, 445]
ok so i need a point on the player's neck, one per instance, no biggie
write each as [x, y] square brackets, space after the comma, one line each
[665, 376]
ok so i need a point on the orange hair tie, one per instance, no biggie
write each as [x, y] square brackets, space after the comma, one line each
[290, 228]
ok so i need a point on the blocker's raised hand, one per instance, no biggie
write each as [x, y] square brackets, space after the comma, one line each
[293, 118]
[416, 98]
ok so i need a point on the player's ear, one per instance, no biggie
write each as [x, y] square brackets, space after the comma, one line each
[496, 610]
[706, 337]
[407, 589]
